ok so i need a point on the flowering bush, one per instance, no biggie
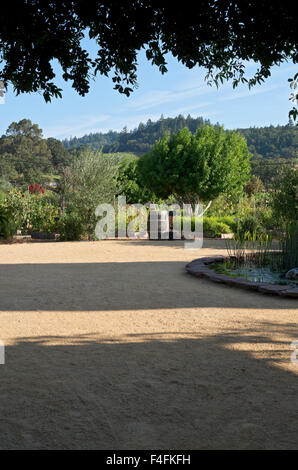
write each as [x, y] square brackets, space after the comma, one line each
[31, 211]
[43, 216]
[36, 189]
[18, 204]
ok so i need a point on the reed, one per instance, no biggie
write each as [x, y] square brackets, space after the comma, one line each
[257, 250]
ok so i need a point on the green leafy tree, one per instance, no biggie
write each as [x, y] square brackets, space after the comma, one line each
[218, 35]
[129, 184]
[24, 128]
[59, 154]
[89, 181]
[196, 167]
[24, 150]
[7, 168]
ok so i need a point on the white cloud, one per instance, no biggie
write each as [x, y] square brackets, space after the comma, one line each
[159, 97]
[247, 93]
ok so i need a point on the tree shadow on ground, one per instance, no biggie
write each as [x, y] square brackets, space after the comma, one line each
[151, 391]
[212, 243]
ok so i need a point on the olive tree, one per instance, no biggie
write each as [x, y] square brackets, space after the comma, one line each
[88, 182]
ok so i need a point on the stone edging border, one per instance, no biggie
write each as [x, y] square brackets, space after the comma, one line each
[199, 268]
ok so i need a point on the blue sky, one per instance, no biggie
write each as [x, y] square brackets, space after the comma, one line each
[180, 91]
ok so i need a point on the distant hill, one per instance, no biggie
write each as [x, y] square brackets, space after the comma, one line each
[279, 142]
[272, 142]
[139, 140]
[95, 141]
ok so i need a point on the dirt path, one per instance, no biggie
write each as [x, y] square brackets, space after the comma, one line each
[112, 345]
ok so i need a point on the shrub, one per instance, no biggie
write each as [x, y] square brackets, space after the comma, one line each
[250, 224]
[43, 217]
[228, 220]
[254, 186]
[71, 227]
[2, 195]
[17, 204]
[7, 227]
[222, 206]
[266, 218]
[31, 212]
[284, 196]
[214, 228]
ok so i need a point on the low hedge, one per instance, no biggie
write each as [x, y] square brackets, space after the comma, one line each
[212, 226]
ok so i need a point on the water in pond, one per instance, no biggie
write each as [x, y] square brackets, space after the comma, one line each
[253, 273]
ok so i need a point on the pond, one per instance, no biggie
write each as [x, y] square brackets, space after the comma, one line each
[252, 273]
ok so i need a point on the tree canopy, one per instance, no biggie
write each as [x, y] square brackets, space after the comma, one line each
[196, 167]
[60, 156]
[218, 35]
[25, 155]
[130, 185]
[23, 151]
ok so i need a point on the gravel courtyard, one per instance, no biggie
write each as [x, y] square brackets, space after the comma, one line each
[112, 345]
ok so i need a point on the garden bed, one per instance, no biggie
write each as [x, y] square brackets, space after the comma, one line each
[201, 267]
